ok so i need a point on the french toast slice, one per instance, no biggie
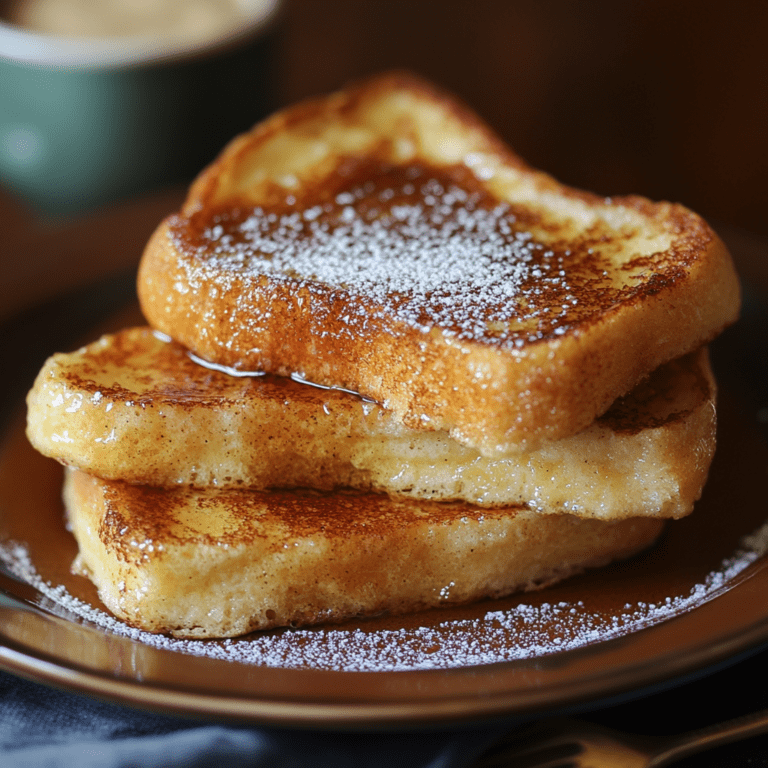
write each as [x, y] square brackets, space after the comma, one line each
[135, 406]
[384, 240]
[218, 563]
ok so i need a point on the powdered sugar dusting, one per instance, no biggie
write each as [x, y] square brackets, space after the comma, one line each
[522, 632]
[422, 250]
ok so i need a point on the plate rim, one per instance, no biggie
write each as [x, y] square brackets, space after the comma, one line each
[419, 710]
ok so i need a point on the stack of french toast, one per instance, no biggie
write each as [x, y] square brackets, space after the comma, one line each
[388, 366]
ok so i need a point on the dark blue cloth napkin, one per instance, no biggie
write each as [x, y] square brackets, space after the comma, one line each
[42, 727]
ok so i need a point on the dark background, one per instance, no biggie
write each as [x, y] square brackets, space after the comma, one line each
[664, 99]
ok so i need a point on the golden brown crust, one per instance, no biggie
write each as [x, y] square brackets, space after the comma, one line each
[222, 563]
[641, 282]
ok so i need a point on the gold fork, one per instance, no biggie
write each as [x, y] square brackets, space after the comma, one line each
[578, 744]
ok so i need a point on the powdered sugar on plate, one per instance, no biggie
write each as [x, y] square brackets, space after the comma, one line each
[524, 631]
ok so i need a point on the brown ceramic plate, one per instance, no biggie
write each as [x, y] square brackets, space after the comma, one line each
[697, 599]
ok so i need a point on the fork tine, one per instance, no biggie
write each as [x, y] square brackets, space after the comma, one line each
[533, 760]
[532, 747]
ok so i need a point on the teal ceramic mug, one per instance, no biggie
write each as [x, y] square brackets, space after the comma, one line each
[88, 120]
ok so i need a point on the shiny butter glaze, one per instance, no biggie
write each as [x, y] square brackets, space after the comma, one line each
[137, 407]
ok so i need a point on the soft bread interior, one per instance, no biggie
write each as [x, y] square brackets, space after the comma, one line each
[135, 406]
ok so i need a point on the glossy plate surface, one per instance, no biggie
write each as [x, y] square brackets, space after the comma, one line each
[695, 600]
